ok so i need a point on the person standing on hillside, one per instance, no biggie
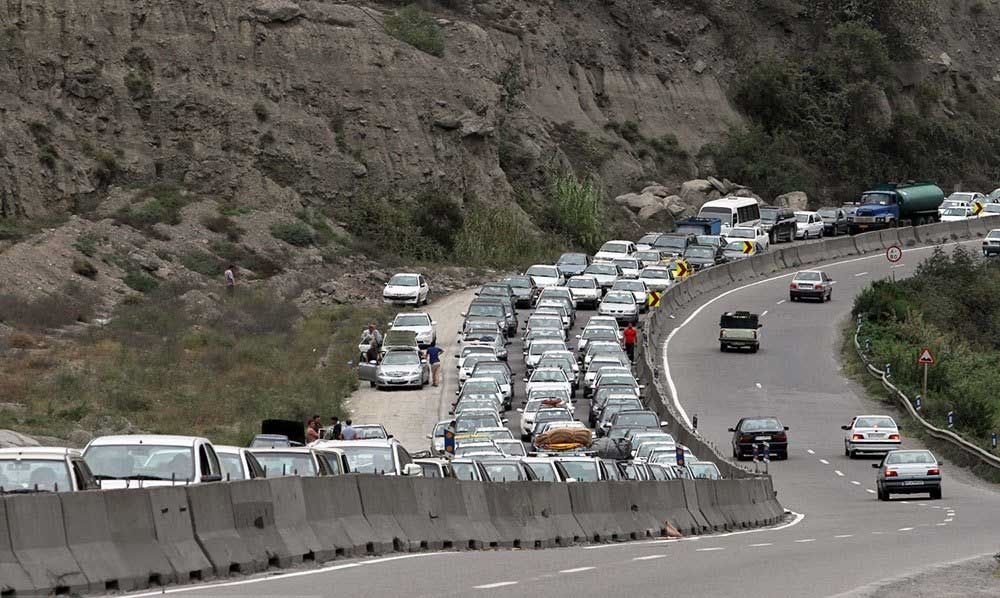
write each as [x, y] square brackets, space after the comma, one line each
[434, 357]
[629, 337]
[230, 276]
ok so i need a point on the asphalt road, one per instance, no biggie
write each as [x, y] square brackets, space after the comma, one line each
[844, 538]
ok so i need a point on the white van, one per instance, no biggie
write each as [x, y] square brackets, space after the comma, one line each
[732, 211]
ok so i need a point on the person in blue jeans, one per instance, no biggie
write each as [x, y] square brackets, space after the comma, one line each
[434, 358]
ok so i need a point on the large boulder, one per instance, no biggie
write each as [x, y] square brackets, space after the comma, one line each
[12, 439]
[657, 190]
[651, 211]
[676, 206]
[796, 200]
[699, 185]
[637, 201]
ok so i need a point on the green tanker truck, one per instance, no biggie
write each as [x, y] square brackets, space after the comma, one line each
[892, 205]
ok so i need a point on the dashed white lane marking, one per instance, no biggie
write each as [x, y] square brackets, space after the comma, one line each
[869, 491]
[804, 540]
[712, 549]
[860, 274]
[762, 544]
[855, 483]
[941, 524]
[949, 520]
[763, 313]
[877, 533]
[824, 461]
[810, 451]
[578, 570]
[650, 557]
[780, 302]
[490, 586]
[838, 472]
[905, 529]
[904, 502]
[841, 536]
[898, 266]
[757, 384]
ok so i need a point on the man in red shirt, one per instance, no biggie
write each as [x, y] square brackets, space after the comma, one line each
[629, 337]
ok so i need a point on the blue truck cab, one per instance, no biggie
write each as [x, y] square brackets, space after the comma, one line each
[699, 226]
[893, 204]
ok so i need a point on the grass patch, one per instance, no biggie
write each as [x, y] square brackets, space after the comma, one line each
[575, 209]
[223, 225]
[203, 263]
[154, 368]
[139, 86]
[501, 236]
[161, 204]
[87, 244]
[84, 268]
[294, 233]
[261, 112]
[141, 282]
[413, 26]
[71, 304]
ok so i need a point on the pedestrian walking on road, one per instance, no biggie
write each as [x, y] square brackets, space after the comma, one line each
[629, 338]
[333, 432]
[230, 276]
[348, 432]
[434, 357]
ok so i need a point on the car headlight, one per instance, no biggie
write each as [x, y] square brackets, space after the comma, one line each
[880, 219]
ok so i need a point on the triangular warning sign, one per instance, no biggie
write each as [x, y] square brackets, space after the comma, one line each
[926, 358]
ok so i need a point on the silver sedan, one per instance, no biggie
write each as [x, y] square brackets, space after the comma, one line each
[908, 472]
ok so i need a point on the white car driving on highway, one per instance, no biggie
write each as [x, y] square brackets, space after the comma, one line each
[418, 322]
[407, 288]
[621, 305]
[585, 290]
[871, 434]
[956, 214]
[615, 249]
[809, 225]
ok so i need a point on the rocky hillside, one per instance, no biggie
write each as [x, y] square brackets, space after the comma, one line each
[287, 135]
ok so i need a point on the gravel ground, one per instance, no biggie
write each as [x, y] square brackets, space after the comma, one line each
[977, 577]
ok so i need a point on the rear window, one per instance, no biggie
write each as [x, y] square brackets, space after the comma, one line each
[910, 458]
[755, 425]
[582, 471]
[615, 247]
[582, 283]
[808, 276]
[874, 422]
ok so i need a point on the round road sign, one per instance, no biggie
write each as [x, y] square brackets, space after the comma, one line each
[894, 253]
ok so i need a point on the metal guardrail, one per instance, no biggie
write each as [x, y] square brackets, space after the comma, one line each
[933, 431]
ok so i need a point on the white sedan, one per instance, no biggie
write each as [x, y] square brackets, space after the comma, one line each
[548, 379]
[867, 434]
[545, 276]
[615, 249]
[754, 234]
[420, 323]
[809, 224]
[406, 288]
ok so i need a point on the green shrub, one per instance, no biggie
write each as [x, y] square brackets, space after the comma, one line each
[139, 86]
[203, 263]
[84, 268]
[159, 204]
[246, 258]
[223, 225]
[439, 218]
[576, 211]
[140, 281]
[501, 236]
[415, 27]
[107, 169]
[87, 244]
[71, 304]
[293, 233]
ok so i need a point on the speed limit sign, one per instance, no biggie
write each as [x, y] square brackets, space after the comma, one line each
[894, 253]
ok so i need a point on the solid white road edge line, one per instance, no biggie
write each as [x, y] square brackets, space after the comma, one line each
[798, 517]
[650, 557]
[712, 549]
[498, 584]
[666, 344]
[283, 576]
[578, 570]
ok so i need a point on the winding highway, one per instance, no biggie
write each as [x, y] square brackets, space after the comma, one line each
[842, 538]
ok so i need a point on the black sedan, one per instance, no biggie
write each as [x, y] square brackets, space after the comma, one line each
[752, 431]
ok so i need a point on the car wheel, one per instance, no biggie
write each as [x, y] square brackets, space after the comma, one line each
[736, 454]
[722, 347]
[373, 385]
[754, 348]
[829, 296]
[881, 494]
[936, 494]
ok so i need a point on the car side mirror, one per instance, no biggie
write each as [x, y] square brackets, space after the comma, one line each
[429, 437]
[664, 423]
[413, 469]
[732, 429]
[389, 436]
[579, 336]
[463, 314]
[786, 428]
[373, 362]
[433, 323]
[423, 361]
[505, 421]
[876, 465]
[524, 379]
[845, 427]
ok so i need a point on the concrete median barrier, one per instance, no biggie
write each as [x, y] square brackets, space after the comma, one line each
[175, 534]
[675, 301]
[703, 523]
[88, 537]
[869, 242]
[765, 264]
[766, 489]
[290, 520]
[38, 540]
[14, 579]
[812, 253]
[741, 270]
[442, 500]
[681, 293]
[707, 503]
[789, 256]
[477, 510]
[907, 237]
[335, 514]
[594, 511]
[636, 519]
[253, 514]
[215, 529]
[553, 504]
[414, 513]
[732, 500]
[717, 277]
[377, 504]
[516, 516]
[890, 236]
[759, 503]
[839, 247]
[980, 227]
[677, 509]
[133, 532]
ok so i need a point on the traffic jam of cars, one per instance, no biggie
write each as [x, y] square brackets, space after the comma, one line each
[546, 388]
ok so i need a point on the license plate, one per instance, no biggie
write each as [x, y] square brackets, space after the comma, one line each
[762, 438]
[805, 286]
[862, 226]
[913, 483]
[876, 436]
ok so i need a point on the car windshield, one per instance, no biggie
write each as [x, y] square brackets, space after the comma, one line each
[648, 256]
[232, 466]
[955, 212]
[876, 199]
[486, 309]
[148, 461]
[612, 247]
[548, 376]
[543, 322]
[400, 358]
[49, 475]
[874, 422]
[403, 280]
[561, 394]
[700, 252]
[629, 285]
[582, 283]
[994, 234]
[656, 274]
[757, 425]
[909, 458]
[544, 471]
[828, 213]
[537, 348]
[518, 283]
[671, 242]
[503, 472]
[514, 448]
[993, 208]
[768, 214]
[742, 233]
[471, 423]
[479, 386]
[430, 470]
[619, 298]
[961, 196]
[723, 214]
[606, 269]
[599, 333]
[705, 470]
[543, 271]
[637, 420]
[279, 464]
[582, 471]
[648, 238]
[808, 277]
[712, 240]
[369, 459]
[553, 415]
[628, 264]
[573, 259]
[464, 471]
[802, 217]
[412, 320]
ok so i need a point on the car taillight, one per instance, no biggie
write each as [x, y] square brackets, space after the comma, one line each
[858, 437]
[819, 286]
[893, 436]
[890, 473]
[746, 438]
[934, 471]
[780, 437]
[793, 286]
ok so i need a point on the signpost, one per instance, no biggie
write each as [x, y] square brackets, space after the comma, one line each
[894, 253]
[682, 269]
[654, 299]
[679, 455]
[747, 247]
[977, 208]
[926, 359]
[449, 440]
